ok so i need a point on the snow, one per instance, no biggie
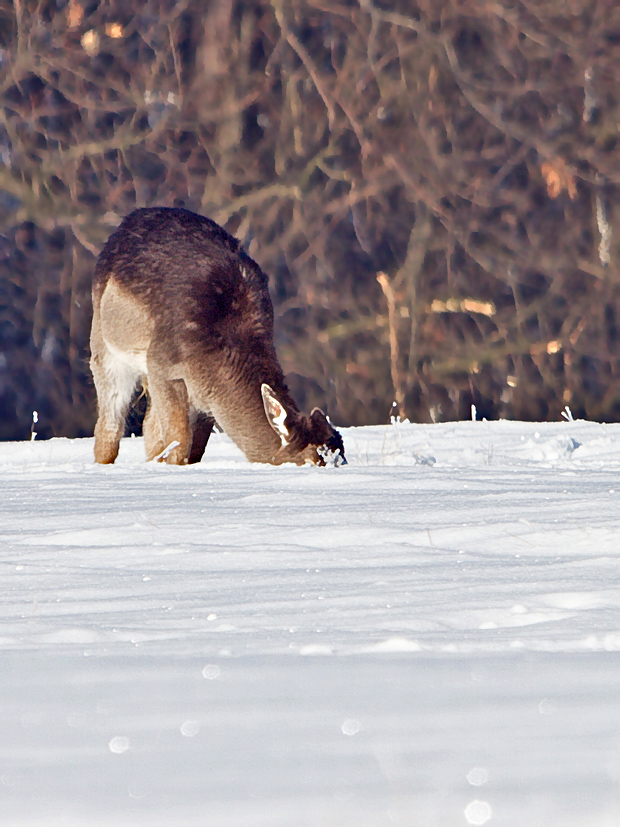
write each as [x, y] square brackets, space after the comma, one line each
[428, 636]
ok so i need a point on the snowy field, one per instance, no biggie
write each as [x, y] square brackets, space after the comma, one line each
[427, 637]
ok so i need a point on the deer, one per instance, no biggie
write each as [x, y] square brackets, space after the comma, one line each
[182, 312]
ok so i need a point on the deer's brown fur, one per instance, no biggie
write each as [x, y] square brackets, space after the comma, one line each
[181, 309]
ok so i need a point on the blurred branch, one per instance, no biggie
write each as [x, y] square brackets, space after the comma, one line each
[399, 391]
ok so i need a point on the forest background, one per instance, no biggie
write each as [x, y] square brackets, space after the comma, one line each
[431, 185]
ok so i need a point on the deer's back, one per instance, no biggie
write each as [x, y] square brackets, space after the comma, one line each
[190, 275]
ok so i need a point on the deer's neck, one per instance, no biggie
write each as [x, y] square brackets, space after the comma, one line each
[232, 394]
[243, 418]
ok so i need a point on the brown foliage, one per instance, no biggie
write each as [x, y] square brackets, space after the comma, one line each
[464, 149]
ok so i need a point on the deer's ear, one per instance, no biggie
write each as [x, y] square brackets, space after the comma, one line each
[276, 413]
[317, 415]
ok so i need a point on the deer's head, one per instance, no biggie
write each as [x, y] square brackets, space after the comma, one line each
[303, 439]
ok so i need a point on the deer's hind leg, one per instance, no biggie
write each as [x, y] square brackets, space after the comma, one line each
[167, 419]
[115, 383]
[151, 430]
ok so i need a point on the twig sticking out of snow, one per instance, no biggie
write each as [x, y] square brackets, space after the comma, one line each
[167, 450]
[568, 414]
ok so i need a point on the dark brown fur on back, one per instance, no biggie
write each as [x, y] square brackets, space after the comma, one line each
[188, 268]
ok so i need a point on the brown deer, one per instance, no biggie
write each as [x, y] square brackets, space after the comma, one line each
[181, 309]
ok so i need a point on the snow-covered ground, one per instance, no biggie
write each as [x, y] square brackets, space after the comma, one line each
[427, 637]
